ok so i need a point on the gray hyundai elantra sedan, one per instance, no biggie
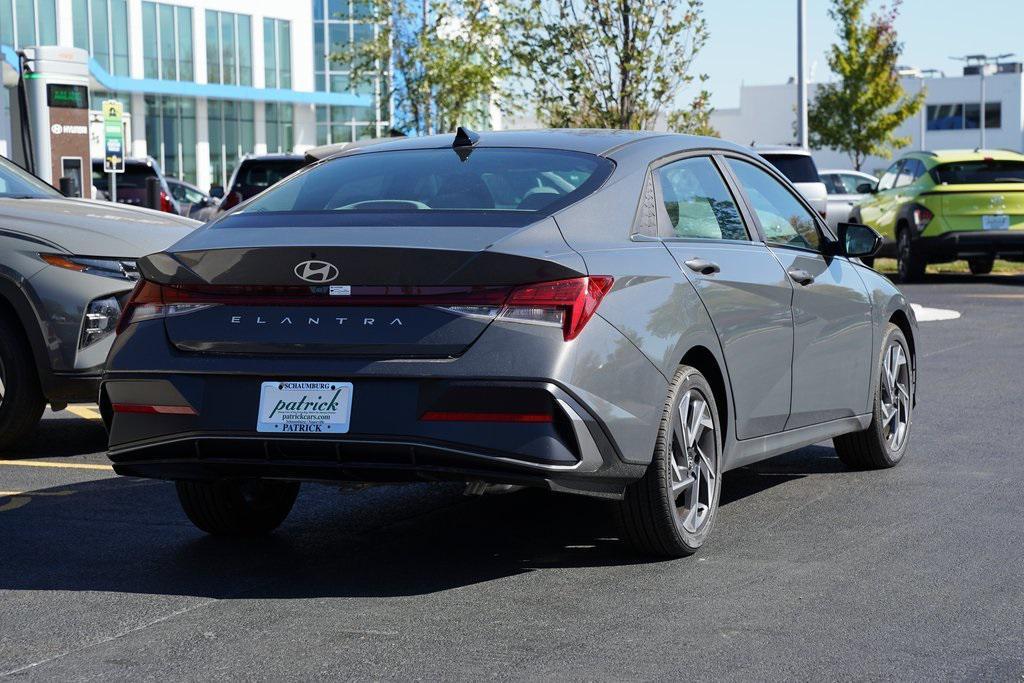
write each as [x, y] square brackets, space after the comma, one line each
[616, 314]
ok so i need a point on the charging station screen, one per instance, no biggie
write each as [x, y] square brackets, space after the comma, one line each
[67, 96]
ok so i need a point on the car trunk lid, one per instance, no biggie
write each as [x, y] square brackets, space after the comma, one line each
[401, 292]
[966, 207]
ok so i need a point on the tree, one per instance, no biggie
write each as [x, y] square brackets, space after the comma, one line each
[447, 61]
[860, 112]
[608, 63]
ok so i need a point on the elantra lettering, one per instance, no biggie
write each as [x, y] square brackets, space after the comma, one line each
[312, 322]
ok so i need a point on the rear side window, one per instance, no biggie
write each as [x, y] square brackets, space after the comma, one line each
[495, 180]
[133, 178]
[257, 176]
[970, 172]
[697, 202]
[797, 167]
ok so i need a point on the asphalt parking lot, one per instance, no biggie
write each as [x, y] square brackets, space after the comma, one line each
[813, 572]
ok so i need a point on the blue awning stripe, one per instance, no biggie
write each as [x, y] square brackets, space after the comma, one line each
[155, 86]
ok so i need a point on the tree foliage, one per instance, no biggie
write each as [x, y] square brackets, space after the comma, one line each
[609, 63]
[860, 112]
[447, 61]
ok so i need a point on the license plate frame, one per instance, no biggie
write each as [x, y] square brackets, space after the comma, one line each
[999, 221]
[305, 407]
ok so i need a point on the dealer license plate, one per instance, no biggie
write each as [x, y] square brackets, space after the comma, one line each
[1000, 222]
[305, 407]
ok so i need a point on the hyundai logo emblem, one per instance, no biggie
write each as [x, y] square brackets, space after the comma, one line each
[316, 271]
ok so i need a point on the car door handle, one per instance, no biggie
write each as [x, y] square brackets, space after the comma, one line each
[800, 276]
[702, 266]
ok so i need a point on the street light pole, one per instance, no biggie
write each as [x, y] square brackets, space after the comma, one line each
[801, 79]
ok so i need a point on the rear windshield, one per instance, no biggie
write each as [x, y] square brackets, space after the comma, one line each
[796, 167]
[133, 178]
[972, 172]
[256, 176]
[499, 181]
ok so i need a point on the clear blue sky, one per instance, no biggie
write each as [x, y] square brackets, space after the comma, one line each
[754, 41]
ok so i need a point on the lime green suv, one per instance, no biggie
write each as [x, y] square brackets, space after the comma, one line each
[933, 207]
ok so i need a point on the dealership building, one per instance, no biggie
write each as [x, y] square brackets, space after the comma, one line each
[950, 119]
[206, 82]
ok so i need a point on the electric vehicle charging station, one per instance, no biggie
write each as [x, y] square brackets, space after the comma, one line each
[50, 119]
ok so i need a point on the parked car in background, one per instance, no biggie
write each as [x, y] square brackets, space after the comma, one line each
[798, 166]
[194, 203]
[66, 268]
[256, 173]
[414, 312]
[935, 207]
[131, 185]
[845, 188]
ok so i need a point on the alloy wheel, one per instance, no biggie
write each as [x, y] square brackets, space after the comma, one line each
[895, 397]
[694, 461]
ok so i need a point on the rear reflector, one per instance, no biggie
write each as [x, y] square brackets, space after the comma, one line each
[462, 416]
[153, 409]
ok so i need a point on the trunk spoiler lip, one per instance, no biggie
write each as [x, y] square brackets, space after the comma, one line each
[485, 267]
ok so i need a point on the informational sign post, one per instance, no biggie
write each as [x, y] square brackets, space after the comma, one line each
[113, 142]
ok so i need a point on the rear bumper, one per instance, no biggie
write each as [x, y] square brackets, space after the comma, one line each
[388, 442]
[1008, 244]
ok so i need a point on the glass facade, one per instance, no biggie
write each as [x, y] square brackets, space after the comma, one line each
[28, 22]
[100, 26]
[963, 116]
[228, 48]
[277, 53]
[171, 134]
[280, 124]
[167, 50]
[337, 24]
[232, 134]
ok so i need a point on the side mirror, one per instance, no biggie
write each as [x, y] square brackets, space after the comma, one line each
[866, 188]
[858, 240]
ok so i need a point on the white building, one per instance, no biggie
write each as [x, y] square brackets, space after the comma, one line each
[949, 120]
[207, 81]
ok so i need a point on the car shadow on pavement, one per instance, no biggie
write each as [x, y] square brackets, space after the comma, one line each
[61, 438]
[129, 536]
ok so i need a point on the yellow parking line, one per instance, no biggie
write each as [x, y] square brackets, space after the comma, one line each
[84, 412]
[66, 465]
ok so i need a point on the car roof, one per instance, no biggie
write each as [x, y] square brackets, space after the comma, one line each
[848, 171]
[945, 156]
[593, 141]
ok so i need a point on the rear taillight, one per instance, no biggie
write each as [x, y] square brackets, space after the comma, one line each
[921, 217]
[568, 304]
[165, 203]
[150, 301]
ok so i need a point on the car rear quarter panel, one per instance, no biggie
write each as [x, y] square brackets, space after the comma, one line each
[652, 304]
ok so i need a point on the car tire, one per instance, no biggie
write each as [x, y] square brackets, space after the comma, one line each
[21, 396]
[663, 514]
[237, 508]
[910, 264]
[981, 266]
[881, 445]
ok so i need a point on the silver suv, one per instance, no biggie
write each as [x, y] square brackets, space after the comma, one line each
[66, 266]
